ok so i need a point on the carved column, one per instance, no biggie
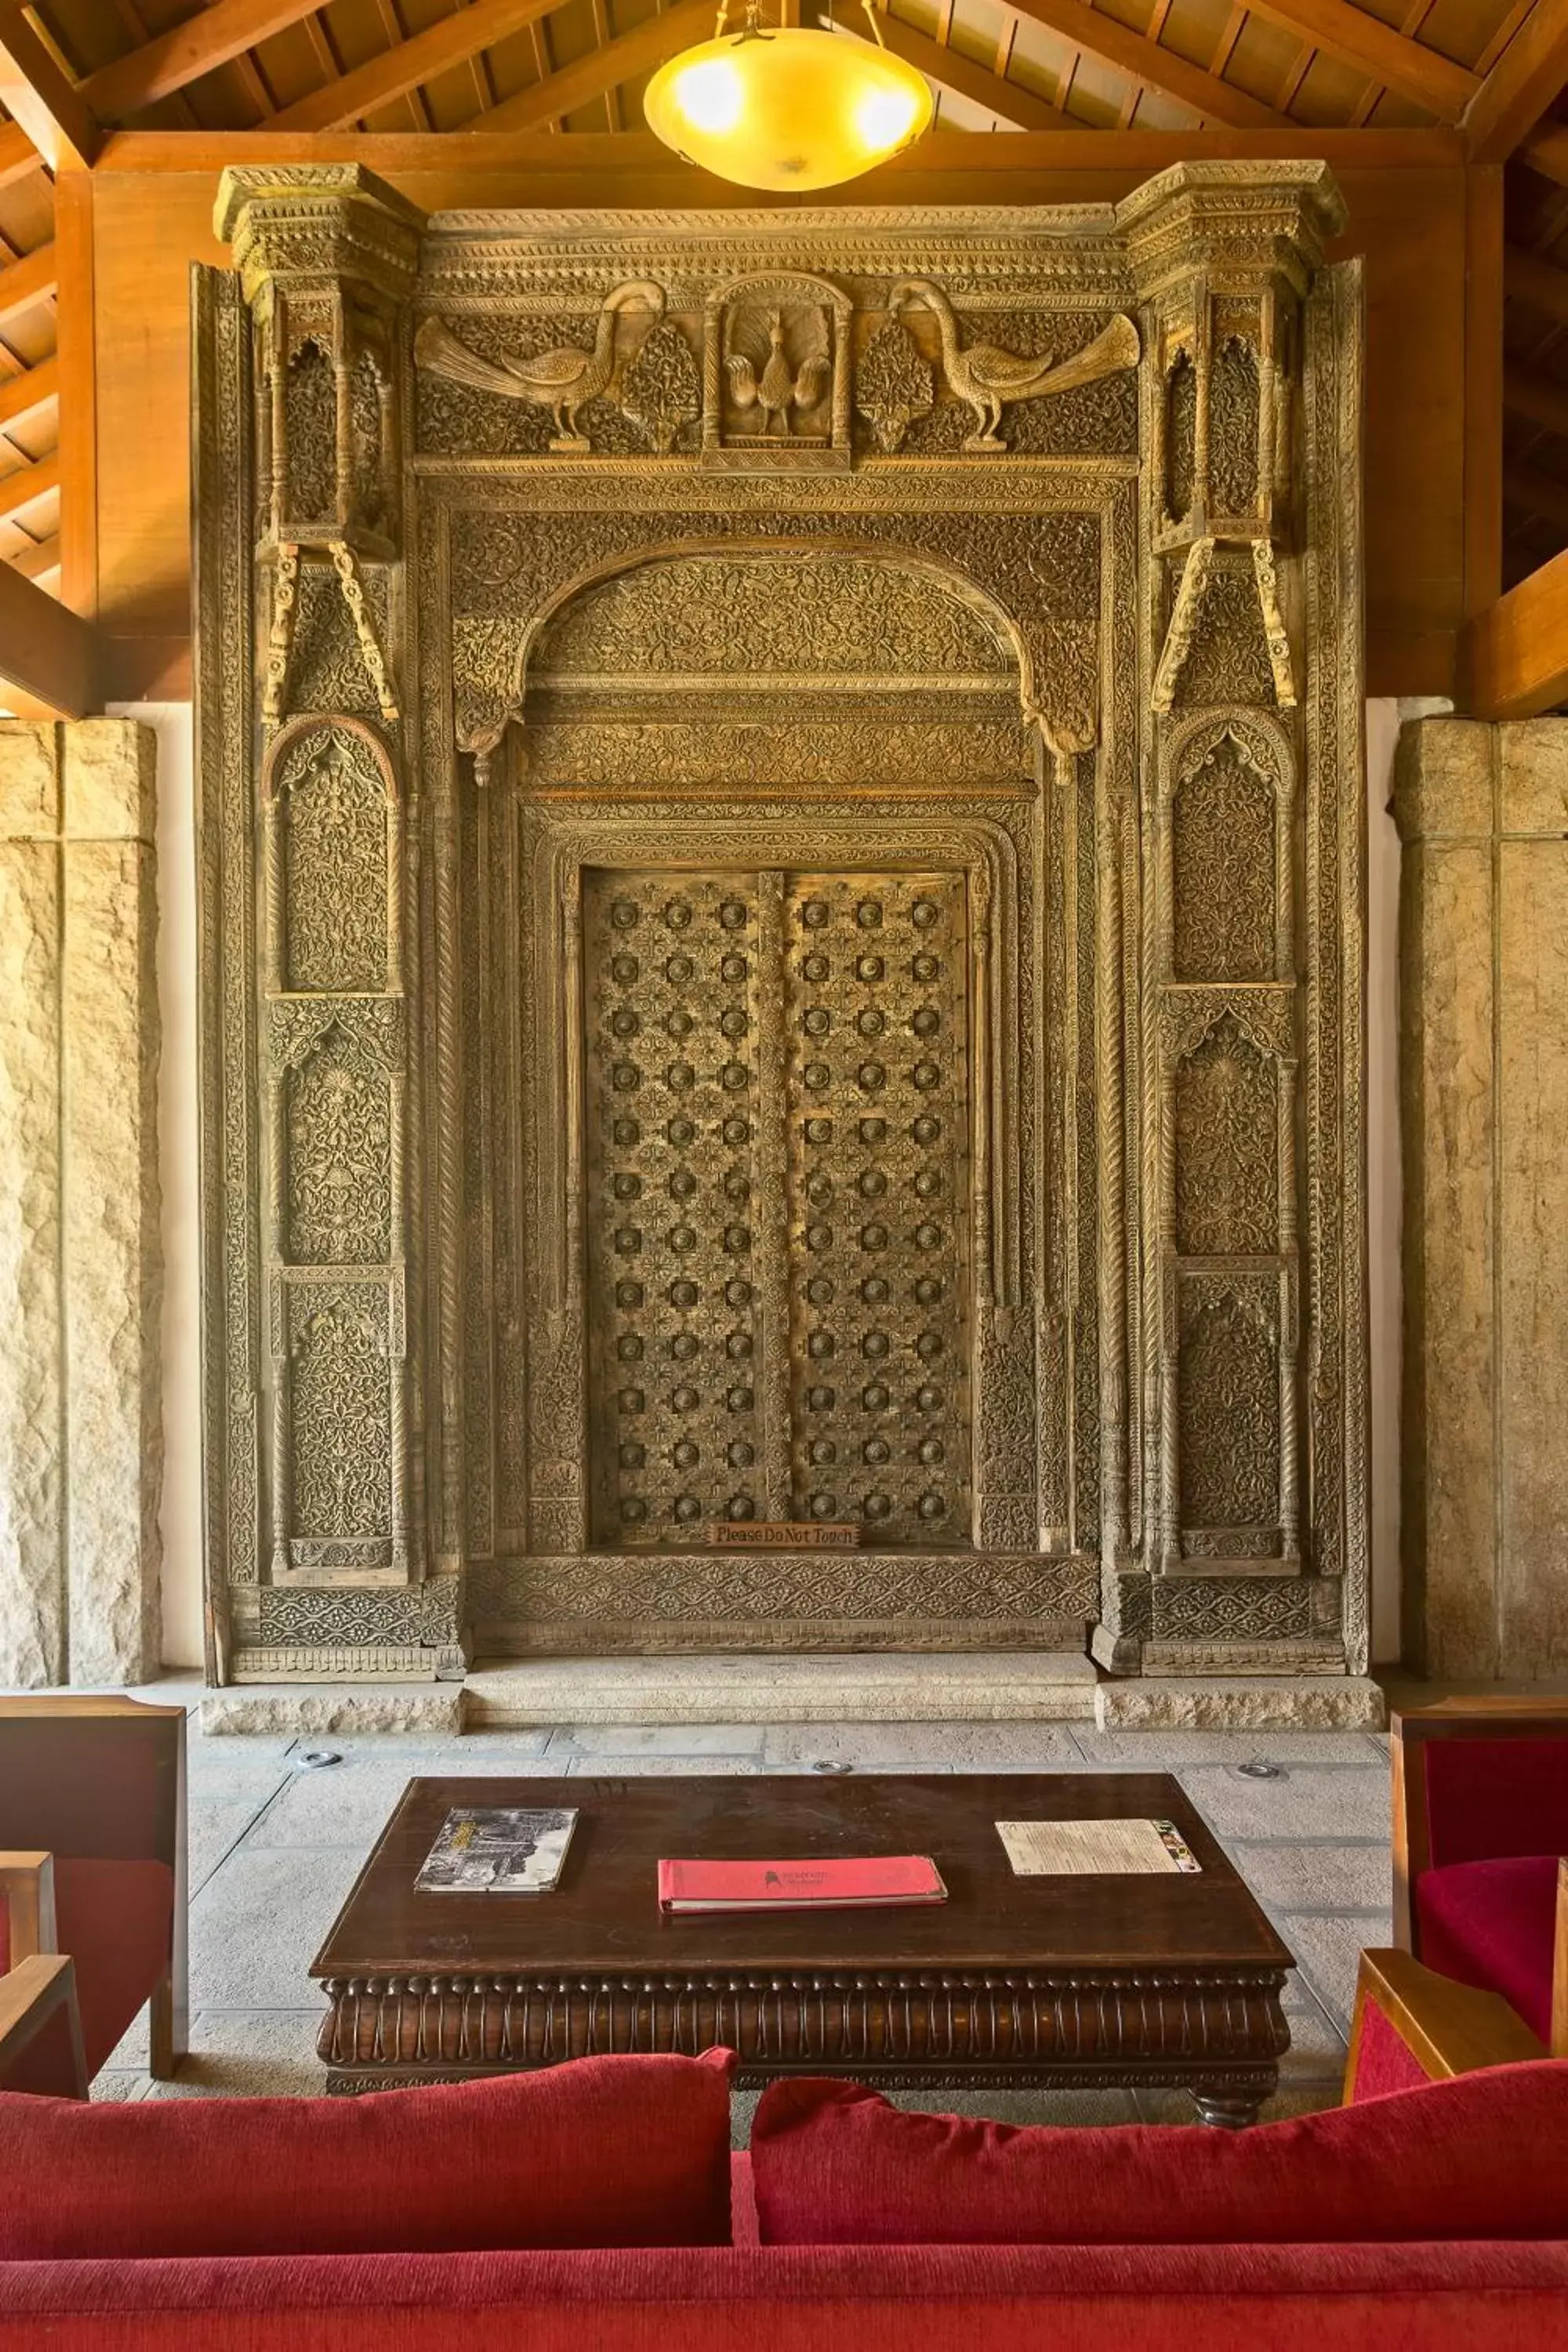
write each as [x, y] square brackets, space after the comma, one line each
[1227, 259]
[327, 260]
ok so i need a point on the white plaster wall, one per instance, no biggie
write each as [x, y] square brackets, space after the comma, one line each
[181, 1516]
[181, 1510]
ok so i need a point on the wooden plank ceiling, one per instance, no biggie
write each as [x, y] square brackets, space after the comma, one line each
[71, 70]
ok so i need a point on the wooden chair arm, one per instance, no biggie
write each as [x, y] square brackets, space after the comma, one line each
[31, 1996]
[1560, 1965]
[27, 1883]
[1447, 2028]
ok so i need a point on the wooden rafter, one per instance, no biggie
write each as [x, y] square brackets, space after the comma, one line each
[450, 41]
[212, 37]
[1546, 151]
[47, 104]
[1514, 657]
[1536, 398]
[25, 282]
[1374, 48]
[1527, 278]
[25, 394]
[48, 656]
[1204, 95]
[601, 70]
[949, 69]
[39, 557]
[1524, 487]
[28, 485]
[1520, 86]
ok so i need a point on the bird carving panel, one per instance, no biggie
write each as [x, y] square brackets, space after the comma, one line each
[990, 379]
[564, 380]
[778, 370]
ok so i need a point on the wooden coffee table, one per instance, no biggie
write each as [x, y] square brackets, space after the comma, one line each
[1163, 1981]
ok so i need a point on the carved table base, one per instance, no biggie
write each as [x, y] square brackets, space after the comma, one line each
[1218, 2034]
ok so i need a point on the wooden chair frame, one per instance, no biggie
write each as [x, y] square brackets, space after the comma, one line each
[31, 1994]
[1417, 1992]
[1447, 2028]
[169, 2010]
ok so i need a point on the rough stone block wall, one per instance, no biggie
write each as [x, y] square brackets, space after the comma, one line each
[1483, 813]
[80, 1272]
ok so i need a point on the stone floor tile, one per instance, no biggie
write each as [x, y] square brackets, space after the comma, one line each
[717, 1739]
[346, 1804]
[259, 1921]
[1176, 2106]
[1303, 1803]
[249, 2054]
[1170, 1751]
[1328, 1951]
[923, 1747]
[1316, 2052]
[1311, 1877]
[630, 1768]
[118, 2085]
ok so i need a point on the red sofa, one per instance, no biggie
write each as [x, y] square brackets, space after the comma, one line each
[574, 2153]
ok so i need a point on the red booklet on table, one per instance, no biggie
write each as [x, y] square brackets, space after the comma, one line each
[841, 1883]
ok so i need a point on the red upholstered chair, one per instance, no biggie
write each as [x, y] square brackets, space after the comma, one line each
[99, 1785]
[1480, 1897]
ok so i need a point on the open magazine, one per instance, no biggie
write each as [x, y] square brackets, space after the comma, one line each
[503, 1850]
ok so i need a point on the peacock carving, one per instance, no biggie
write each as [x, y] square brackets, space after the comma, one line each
[563, 381]
[990, 379]
[763, 376]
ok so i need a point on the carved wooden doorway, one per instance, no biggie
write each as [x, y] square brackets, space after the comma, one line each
[778, 1188]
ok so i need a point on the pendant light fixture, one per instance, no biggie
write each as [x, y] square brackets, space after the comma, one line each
[787, 106]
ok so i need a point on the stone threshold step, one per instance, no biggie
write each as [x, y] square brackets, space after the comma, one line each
[973, 1687]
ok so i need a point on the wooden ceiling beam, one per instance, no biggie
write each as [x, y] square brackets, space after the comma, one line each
[23, 395]
[18, 156]
[1204, 96]
[1546, 151]
[25, 487]
[1535, 397]
[1374, 48]
[631, 157]
[37, 558]
[25, 282]
[1521, 87]
[42, 97]
[1514, 657]
[949, 69]
[212, 37]
[1526, 277]
[49, 656]
[450, 41]
[1524, 487]
[601, 70]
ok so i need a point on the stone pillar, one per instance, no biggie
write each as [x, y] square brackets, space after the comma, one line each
[81, 1273]
[1484, 1108]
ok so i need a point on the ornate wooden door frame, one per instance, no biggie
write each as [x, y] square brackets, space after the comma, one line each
[1177, 580]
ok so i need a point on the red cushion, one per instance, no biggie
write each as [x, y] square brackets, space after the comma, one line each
[1492, 1923]
[1484, 2155]
[603, 2152]
[1490, 1797]
[1383, 2062]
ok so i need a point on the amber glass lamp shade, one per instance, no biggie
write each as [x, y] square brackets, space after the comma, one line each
[791, 108]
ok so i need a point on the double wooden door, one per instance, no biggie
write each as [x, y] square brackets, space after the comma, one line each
[777, 1167]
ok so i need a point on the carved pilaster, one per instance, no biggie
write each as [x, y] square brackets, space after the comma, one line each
[1225, 258]
[327, 260]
